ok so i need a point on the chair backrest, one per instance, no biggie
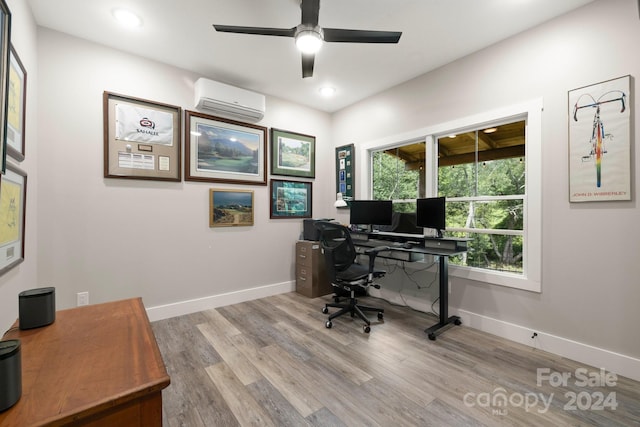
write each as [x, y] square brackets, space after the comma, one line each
[335, 239]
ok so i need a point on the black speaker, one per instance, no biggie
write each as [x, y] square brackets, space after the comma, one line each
[10, 373]
[37, 307]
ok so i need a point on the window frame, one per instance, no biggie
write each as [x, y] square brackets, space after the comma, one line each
[531, 111]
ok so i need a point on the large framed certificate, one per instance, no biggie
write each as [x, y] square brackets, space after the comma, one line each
[141, 139]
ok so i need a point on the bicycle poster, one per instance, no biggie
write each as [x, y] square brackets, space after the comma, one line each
[599, 142]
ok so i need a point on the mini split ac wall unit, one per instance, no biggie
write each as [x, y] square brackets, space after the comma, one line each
[229, 101]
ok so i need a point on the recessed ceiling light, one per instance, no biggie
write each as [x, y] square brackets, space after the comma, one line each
[490, 130]
[127, 18]
[327, 91]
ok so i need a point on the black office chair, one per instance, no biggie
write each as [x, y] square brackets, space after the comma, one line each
[345, 274]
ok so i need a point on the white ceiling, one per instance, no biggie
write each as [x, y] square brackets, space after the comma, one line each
[180, 33]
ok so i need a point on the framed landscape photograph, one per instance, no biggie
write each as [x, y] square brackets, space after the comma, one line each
[290, 199]
[17, 96]
[141, 139]
[293, 154]
[13, 198]
[224, 150]
[230, 208]
[5, 43]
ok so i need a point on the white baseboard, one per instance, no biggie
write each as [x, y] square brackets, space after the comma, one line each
[206, 303]
[612, 362]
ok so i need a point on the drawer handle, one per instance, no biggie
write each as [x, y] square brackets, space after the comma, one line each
[302, 278]
[302, 256]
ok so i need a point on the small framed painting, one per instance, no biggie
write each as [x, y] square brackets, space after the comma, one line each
[290, 199]
[230, 208]
[293, 154]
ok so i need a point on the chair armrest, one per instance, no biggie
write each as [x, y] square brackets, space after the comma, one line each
[372, 253]
[376, 250]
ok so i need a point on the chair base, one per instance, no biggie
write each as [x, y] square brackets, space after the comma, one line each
[354, 309]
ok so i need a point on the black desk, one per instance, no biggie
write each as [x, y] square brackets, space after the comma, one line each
[442, 248]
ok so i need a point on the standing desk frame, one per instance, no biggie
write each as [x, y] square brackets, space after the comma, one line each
[443, 255]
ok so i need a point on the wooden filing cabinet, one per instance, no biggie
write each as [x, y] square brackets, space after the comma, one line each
[311, 276]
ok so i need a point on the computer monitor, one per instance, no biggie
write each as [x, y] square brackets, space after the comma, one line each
[430, 213]
[403, 223]
[371, 212]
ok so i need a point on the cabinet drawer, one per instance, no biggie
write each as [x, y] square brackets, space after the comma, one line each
[307, 253]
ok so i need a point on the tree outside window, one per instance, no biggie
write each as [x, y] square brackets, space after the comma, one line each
[482, 175]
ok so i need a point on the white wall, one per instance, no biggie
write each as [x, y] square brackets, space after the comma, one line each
[24, 276]
[119, 238]
[590, 270]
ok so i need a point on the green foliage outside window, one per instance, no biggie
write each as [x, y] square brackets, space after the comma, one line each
[492, 195]
[392, 180]
[485, 198]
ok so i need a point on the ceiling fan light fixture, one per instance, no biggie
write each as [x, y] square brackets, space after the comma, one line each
[308, 39]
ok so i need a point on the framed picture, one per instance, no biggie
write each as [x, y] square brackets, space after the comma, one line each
[17, 96]
[293, 154]
[290, 199]
[141, 139]
[230, 208]
[599, 142]
[13, 197]
[5, 42]
[345, 172]
[224, 150]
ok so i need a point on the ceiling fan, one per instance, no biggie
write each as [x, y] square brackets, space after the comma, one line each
[309, 35]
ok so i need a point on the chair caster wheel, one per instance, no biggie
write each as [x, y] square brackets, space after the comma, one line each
[325, 310]
[367, 329]
[457, 322]
[328, 324]
[432, 336]
[380, 316]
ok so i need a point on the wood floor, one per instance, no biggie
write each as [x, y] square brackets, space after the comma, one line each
[272, 362]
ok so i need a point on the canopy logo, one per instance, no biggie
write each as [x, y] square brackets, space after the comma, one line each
[584, 390]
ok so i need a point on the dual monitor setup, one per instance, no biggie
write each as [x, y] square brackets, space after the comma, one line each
[378, 215]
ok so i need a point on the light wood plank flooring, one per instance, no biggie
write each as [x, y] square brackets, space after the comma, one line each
[272, 362]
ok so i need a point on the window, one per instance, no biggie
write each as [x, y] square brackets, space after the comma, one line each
[398, 175]
[482, 175]
[488, 168]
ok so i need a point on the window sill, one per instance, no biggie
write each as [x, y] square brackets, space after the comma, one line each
[512, 280]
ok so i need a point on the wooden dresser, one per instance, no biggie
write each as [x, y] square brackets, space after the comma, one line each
[311, 276]
[97, 365]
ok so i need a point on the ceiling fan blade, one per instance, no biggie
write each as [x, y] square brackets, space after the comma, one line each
[360, 36]
[307, 64]
[284, 32]
[310, 11]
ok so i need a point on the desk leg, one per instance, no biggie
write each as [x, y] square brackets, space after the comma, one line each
[445, 320]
